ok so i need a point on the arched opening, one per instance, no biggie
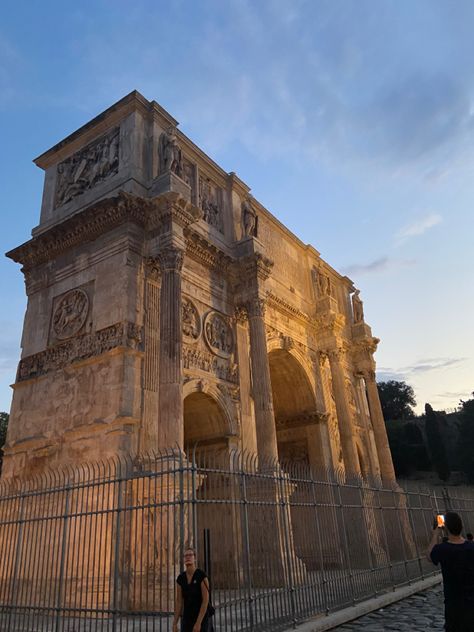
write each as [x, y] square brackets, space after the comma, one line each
[294, 404]
[204, 422]
[207, 429]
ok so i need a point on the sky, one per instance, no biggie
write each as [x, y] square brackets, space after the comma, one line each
[351, 120]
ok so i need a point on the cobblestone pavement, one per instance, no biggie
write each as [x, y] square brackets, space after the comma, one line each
[419, 613]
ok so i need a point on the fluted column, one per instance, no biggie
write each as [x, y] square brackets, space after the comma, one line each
[171, 425]
[378, 424]
[344, 417]
[261, 384]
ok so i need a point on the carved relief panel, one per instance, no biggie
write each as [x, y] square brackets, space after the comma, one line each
[191, 321]
[210, 200]
[93, 164]
[71, 314]
[218, 334]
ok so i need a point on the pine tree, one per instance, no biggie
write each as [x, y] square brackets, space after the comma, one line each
[436, 446]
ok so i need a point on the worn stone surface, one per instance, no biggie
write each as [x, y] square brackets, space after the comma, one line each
[166, 305]
[418, 613]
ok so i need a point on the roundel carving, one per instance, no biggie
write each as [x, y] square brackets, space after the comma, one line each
[218, 334]
[191, 321]
[70, 314]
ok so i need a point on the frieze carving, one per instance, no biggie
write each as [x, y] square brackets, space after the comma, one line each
[191, 321]
[124, 334]
[93, 164]
[169, 153]
[209, 201]
[298, 421]
[203, 361]
[85, 226]
[70, 314]
[218, 334]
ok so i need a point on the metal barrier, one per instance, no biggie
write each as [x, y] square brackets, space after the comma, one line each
[99, 547]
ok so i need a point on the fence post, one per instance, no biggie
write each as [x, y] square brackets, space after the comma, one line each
[246, 543]
[181, 508]
[286, 527]
[18, 548]
[118, 528]
[63, 554]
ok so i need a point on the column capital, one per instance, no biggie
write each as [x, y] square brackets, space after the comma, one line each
[256, 307]
[367, 374]
[170, 259]
[152, 268]
[241, 314]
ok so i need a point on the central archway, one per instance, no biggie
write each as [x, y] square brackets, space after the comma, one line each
[294, 403]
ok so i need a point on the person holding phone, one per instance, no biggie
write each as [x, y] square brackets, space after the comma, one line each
[456, 557]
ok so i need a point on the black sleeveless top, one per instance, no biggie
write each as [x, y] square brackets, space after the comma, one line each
[192, 599]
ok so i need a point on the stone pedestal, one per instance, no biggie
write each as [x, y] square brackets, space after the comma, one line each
[169, 181]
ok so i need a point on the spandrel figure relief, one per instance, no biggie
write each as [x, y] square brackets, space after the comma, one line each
[95, 163]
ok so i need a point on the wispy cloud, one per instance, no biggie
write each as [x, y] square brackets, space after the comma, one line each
[418, 227]
[381, 264]
[423, 366]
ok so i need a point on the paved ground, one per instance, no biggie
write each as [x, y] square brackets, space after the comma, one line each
[419, 613]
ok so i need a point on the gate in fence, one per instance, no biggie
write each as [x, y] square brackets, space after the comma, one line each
[99, 547]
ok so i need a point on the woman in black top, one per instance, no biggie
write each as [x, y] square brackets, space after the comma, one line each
[192, 597]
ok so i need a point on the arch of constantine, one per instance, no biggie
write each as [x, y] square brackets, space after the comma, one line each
[168, 307]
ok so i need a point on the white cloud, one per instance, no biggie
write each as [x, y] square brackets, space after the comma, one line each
[418, 227]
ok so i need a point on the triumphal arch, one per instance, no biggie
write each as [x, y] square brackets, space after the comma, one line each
[168, 307]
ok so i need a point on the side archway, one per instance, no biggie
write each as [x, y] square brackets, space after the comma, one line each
[210, 415]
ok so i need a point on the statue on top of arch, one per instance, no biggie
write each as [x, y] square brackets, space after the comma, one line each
[169, 153]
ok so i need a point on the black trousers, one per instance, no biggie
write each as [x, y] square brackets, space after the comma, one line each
[459, 617]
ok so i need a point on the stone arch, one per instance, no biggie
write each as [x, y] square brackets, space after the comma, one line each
[210, 414]
[295, 404]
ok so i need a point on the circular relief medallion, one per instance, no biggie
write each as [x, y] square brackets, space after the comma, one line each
[218, 334]
[70, 314]
[191, 321]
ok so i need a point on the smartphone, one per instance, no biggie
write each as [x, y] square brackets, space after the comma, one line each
[440, 520]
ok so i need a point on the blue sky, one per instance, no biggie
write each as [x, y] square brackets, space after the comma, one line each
[352, 122]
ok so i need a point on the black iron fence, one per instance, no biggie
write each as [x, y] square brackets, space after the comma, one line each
[99, 547]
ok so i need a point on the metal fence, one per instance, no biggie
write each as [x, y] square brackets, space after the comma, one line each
[99, 547]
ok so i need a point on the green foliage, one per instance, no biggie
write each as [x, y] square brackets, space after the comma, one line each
[407, 447]
[466, 439]
[436, 445]
[397, 399]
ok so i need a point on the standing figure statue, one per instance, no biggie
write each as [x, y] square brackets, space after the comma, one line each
[324, 284]
[170, 153]
[357, 307]
[249, 219]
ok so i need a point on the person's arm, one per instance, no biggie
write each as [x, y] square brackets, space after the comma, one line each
[178, 607]
[204, 604]
[435, 538]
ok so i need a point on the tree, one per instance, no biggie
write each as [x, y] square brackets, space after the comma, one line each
[397, 399]
[4, 417]
[439, 457]
[466, 439]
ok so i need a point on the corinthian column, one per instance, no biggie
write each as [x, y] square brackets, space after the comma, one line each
[344, 417]
[378, 424]
[170, 427]
[261, 384]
